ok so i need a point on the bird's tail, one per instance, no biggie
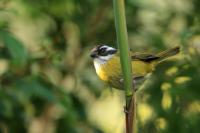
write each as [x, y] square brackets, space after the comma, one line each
[168, 53]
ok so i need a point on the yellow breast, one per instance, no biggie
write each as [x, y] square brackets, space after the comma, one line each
[100, 71]
[108, 69]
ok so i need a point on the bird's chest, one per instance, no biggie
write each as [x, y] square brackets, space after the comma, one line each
[108, 70]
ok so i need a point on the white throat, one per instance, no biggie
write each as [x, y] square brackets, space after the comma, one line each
[102, 59]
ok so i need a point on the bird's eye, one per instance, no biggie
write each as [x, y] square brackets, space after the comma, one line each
[103, 51]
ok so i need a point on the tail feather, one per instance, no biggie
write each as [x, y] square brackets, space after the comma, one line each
[168, 53]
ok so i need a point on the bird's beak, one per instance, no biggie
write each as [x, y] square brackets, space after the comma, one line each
[94, 53]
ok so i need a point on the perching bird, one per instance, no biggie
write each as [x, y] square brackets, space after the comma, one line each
[108, 68]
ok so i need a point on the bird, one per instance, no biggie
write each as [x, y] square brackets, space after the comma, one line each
[107, 64]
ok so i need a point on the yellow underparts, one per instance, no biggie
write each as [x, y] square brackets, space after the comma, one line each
[112, 69]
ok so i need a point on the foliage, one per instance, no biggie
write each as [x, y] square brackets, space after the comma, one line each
[47, 80]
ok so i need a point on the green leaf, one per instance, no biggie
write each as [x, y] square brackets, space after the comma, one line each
[16, 49]
[34, 88]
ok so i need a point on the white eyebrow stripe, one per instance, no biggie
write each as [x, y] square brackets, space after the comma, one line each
[104, 47]
[108, 48]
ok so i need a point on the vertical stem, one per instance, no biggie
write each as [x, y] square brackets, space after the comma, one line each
[122, 39]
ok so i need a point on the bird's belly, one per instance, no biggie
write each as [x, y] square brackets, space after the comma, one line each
[111, 72]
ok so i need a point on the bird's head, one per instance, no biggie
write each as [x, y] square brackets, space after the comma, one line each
[102, 52]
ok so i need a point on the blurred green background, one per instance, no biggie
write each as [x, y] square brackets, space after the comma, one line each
[48, 83]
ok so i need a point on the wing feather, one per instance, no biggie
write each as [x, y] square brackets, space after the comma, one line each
[144, 57]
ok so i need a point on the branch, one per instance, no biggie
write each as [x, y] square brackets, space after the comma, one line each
[122, 39]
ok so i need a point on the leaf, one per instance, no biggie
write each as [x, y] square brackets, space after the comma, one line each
[34, 88]
[15, 48]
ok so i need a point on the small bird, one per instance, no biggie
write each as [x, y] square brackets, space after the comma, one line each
[108, 68]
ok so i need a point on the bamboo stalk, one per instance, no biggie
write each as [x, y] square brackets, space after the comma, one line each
[122, 40]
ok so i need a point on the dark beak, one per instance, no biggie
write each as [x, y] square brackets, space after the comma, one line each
[93, 54]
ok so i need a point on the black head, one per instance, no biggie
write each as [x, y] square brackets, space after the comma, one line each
[102, 51]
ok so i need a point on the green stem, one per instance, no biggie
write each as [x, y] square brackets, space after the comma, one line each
[122, 39]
